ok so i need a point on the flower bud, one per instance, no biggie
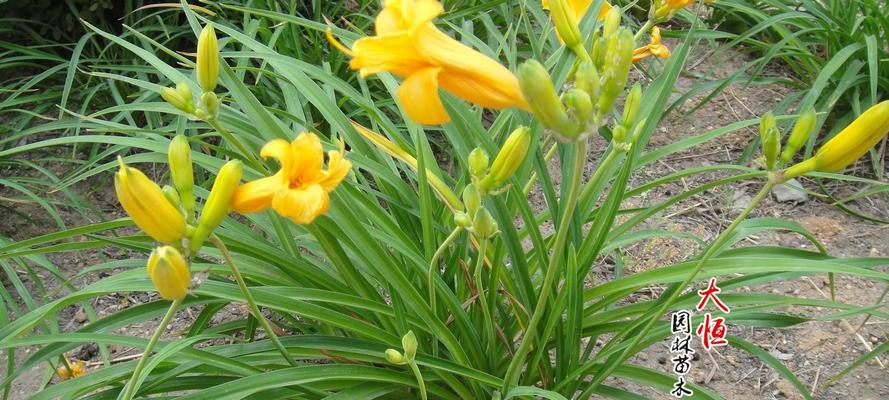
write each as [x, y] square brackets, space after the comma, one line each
[169, 272]
[72, 370]
[409, 344]
[172, 196]
[618, 59]
[211, 105]
[208, 59]
[631, 106]
[800, 134]
[181, 171]
[565, 22]
[587, 79]
[478, 162]
[848, 145]
[619, 134]
[483, 225]
[509, 159]
[394, 356]
[462, 219]
[771, 146]
[612, 22]
[765, 123]
[146, 204]
[472, 199]
[579, 107]
[537, 88]
[179, 98]
[218, 203]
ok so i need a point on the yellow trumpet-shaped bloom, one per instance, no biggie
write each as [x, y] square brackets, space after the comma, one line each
[300, 189]
[73, 370]
[409, 45]
[146, 204]
[655, 48]
[169, 272]
[579, 8]
[848, 145]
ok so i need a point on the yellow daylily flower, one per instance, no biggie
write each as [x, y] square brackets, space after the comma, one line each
[169, 272]
[145, 203]
[655, 48]
[77, 368]
[579, 7]
[848, 145]
[409, 45]
[300, 189]
[666, 8]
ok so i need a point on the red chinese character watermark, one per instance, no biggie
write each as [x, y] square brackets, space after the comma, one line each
[713, 332]
[709, 294]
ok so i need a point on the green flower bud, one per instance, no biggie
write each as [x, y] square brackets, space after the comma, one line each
[587, 79]
[177, 99]
[765, 123]
[478, 162]
[483, 225]
[181, 171]
[803, 127]
[619, 134]
[462, 220]
[509, 159]
[218, 203]
[472, 199]
[409, 344]
[580, 107]
[631, 106]
[771, 146]
[537, 88]
[394, 356]
[618, 59]
[171, 195]
[612, 22]
[207, 69]
[211, 104]
[566, 25]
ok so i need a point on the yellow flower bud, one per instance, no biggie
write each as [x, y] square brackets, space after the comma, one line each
[802, 129]
[771, 146]
[211, 105]
[483, 225]
[848, 145]
[537, 87]
[176, 99]
[182, 172]
[478, 162]
[208, 59]
[394, 356]
[172, 195]
[146, 204]
[169, 272]
[472, 199]
[565, 22]
[631, 106]
[409, 344]
[509, 159]
[618, 59]
[218, 202]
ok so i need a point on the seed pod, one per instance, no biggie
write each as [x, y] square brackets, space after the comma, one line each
[800, 134]
[509, 159]
[218, 203]
[208, 59]
[537, 88]
[145, 203]
[169, 272]
[182, 172]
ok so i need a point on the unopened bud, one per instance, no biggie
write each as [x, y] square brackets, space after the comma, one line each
[537, 88]
[765, 123]
[803, 128]
[612, 22]
[462, 220]
[394, 356]
[619, 134]
[771, 146]
[472, 199]
[509, 159]
[565, 22]
[587, 79]
[208, 59]
[478, 162]
[176, 99]
[211, 104]
[618, 59]
[483, 225]
[579, 107]
[169, 272]
[172, 195]
[631, 106]
[409, 344]
[182, 172]
[218, 203]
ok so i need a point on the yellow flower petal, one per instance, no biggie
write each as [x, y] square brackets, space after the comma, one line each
[419, 97]
[308, 158]
[302, 205]
[393, 53]
[337, 169]
[256, 196]
[280, 150]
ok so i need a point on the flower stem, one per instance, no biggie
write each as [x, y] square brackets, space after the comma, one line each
[132, 384]
[568, 204]
[229, 137]
[254, 308]
[420, 382]
[483, 300]
[642, 30]
[433, 265]
[717, 244]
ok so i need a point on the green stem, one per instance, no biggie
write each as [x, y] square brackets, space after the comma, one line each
[433, 265]
[483, 300]
[131, 385]
[664, 305]
[604, 166]
[254, 308]
[229, 137]
[570, 201]
[642, 30]
[420, 382]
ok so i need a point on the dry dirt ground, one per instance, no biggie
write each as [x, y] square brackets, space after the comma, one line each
[814, 351]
